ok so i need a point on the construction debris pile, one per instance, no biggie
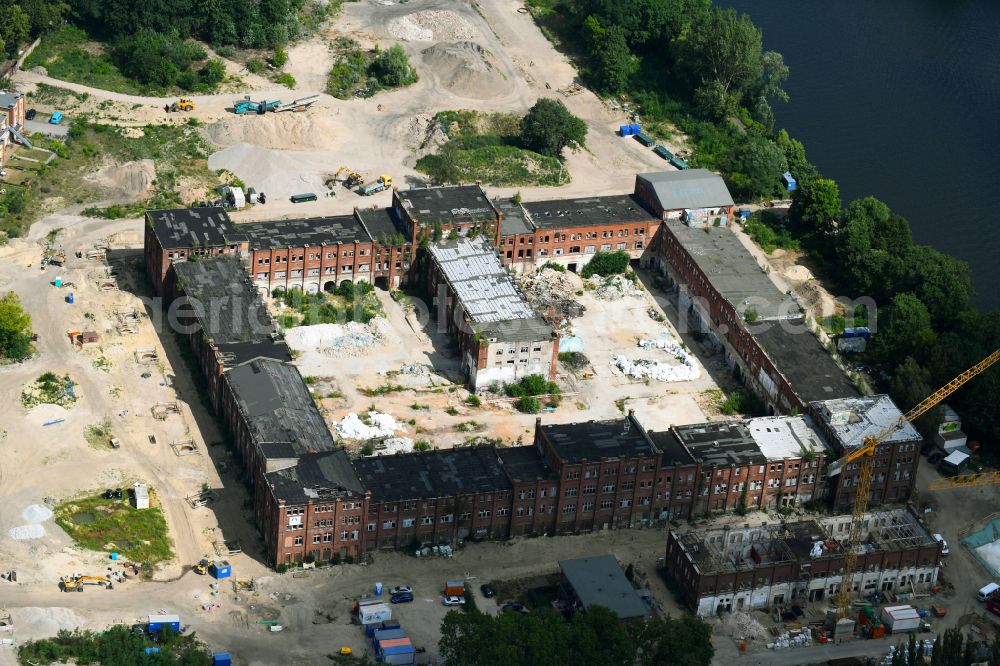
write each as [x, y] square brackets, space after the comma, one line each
[351, 339]
[790, 639]
[685, 370]
[614, 287]
[553, 294]
[432, 25]
[372, 425]
[745, 626]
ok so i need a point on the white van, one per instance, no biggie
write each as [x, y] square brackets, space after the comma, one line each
[944, 544]
[986, 591]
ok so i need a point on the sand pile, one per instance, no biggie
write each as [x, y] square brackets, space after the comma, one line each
[132, 179]
[46, 621]
[466, 69]
[284, 131]
[278, 173]
[432, 25]
[46, 413]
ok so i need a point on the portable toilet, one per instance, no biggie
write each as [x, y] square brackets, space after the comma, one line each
[69, 298]
[789, 181]
[221, 659]
[378, 589]
[58, 281]
[220, 569]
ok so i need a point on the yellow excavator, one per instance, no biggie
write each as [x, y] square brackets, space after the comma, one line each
[864, 456]
[76, 583]
[183, 104]
[353, 178]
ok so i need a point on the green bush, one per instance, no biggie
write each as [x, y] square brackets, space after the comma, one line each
[473, 401]
[532, 385]
[286, 80]
[605, 264]
[392, 68]
[255, 65]
[280, 58]
[527, 404]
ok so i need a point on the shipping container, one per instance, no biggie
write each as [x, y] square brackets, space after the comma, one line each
[302, 198]
[454, 588]
[663, 152]
[387, 643]
[221, 659]
[644, 139]
[386, 634]
[789, 181]
[397, 649]
[399, 659]
[220, 569]
[898, 619]
[156, 622]
[625, 130]
[374, 614]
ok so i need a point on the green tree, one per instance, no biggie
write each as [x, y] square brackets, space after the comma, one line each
[904, 329]
[213, 73]
[392, 68]
[816, 207]
[549, 127]
[756, 168]
[15, 26]
[670, 641]
[614, 62]
[44, 15]
[15, 328]
[605, 264]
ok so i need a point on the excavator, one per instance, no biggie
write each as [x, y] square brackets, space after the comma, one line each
[864, 457]
[353, 178]
[76, 583]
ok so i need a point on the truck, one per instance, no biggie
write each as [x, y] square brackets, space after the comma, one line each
[381, 183]
[454, 588]
[900, 619]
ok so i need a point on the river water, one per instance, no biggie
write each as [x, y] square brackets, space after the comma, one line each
[900, 99]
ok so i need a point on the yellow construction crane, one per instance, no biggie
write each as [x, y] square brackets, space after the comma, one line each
[865, 456]
[965, 481]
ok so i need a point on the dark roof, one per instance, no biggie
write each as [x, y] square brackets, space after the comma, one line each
[190, 227]
[516, 220]
[317, 476]
[314, 231]
[598, 440]
[531, 329]
[278, 408]
[440, 473]
[238, 353]
[230, 309]
[723, 443]
[526, 463]
[456, 203]
[592, 211]
[382, 223]
[8, 98]
[600, 581]
[690, 188]
[674, 453]
[809, 368]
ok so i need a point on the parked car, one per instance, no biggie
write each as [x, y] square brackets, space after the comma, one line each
[487, 591]
[944, 544]
[452, 600]
[401, 598]
[399, 589]
[513, 607]
[30, 115]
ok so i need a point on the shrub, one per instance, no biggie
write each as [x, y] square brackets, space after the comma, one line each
[527, 404]
[280, 58]
[255, 65]
[285, 79]
[606, 263]
[392, 68]
[473, 401]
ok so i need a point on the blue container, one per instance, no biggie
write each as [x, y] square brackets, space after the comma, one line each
[114, 556]
[378, 589]
[220, 570]
[58, 282]
[69, 298]
[390, 624]
[221, 659]
[634, 128]
[625, 130]
[398, 649]
[152, 650]
[790, 183]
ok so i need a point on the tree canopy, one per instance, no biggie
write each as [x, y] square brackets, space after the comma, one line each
[549, 127]
[545, 638]
[15, 328]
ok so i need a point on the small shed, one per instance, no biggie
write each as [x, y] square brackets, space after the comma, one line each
[87, 338]
[141, 494]
[955, 461]
[374, 614]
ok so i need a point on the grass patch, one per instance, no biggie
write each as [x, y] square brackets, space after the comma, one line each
[70, 55]
[384, 389]
[486, 148]
[103, 525]
[49, 388]
[469, 426]
[741, 401]
[99, 435]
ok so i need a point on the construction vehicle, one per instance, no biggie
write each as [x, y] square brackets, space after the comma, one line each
[383, 182]
[300, 104]
[202, 567]
[183, 104]
[864, 455]
[76, 583]
[245, 106]
[353, 178]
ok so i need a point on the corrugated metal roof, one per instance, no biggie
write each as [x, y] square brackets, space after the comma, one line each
[690, 188]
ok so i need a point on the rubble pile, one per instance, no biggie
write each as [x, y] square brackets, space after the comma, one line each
[351, 339]
[372, 425]
[684, 370]
[745, 626]
[553, 294]
[614, 288]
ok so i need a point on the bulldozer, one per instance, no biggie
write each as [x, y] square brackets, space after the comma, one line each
[183, 104]
[202, 567]
[76, 583]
